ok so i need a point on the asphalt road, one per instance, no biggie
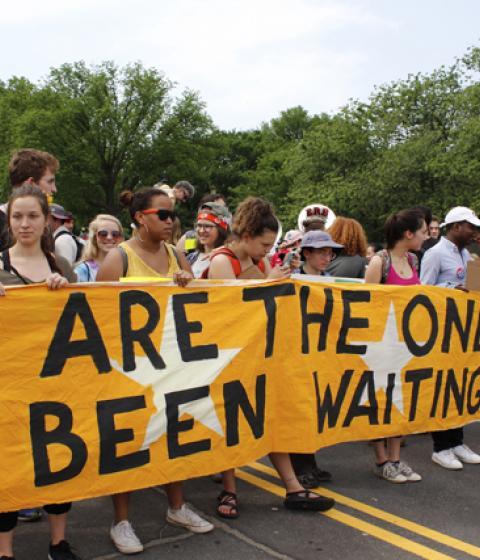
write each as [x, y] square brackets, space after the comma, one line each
[436, 519]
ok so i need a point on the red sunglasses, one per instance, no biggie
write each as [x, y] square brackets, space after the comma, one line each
[162, 213]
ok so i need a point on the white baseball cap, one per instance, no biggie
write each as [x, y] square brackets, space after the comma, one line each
[461, 214]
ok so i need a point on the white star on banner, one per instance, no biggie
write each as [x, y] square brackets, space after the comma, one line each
[388, 355]
[177, 376]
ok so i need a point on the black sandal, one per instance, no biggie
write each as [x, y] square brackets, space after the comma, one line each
[305, 500]
[227, 500]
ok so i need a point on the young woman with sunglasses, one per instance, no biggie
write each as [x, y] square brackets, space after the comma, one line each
[30, 261]
[255, 228]
[147, 253]
[104, 234]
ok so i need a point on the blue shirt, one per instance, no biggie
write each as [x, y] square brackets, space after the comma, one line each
[445, 265]
[86, 271]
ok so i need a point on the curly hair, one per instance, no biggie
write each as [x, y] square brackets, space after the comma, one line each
[253, 216]
[28, 163]
[349, 233]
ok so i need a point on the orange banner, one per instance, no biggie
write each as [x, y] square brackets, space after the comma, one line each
[116, 387]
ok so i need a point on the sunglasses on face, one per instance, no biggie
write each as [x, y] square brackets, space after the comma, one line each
[162, 213]
[103, 234]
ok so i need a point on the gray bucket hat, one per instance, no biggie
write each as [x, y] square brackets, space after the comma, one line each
[187, 187]
[318, 239]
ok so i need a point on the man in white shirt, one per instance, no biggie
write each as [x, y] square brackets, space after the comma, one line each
[445, 265]
[65, 245]
[182, 191]
[35, 168]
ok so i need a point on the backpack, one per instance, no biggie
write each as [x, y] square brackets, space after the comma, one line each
[232, 257]
[78, 243]
[387, 263]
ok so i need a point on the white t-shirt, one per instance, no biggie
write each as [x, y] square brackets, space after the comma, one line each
[65, 246]
[200, 265]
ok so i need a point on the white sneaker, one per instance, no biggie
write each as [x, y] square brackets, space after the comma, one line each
[186, 517]
[390, 472]
[447, 460]
[125, 539]
[408, 472]
[466, 455]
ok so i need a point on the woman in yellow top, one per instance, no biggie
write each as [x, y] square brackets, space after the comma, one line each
[148, 254]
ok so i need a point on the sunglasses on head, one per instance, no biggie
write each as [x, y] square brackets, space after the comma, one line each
[162, 213]
[103, 234]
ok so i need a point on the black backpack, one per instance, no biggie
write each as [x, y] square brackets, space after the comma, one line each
[79, 244]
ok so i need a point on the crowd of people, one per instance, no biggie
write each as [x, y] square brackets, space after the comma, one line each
[38, 245]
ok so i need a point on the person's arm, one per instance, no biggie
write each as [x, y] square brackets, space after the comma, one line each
[111, 269]
[220, 268]
[430, 269]
[183, 262]
[185, 275]
[66, 269]
[180, 246]
[2, 290]
[373, 274]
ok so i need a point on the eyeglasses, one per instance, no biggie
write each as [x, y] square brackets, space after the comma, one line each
[103, 234]
[162, 213]
[206, 227]
[323, 252]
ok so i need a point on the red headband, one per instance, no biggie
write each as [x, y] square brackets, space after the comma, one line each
[212, 218]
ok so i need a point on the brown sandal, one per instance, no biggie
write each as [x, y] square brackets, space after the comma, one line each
[227, 500]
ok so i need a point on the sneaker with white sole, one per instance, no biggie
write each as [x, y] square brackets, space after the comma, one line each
[447, 460]
[186, 517]
[408, 472]
[125, 539]
[389, 471]
[466, 455]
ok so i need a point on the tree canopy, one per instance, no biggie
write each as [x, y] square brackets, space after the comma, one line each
[414, 141]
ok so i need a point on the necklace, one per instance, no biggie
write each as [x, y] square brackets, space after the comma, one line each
[402, 266]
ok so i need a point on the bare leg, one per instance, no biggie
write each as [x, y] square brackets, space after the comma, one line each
[227, 507]
[6, 543]
[174, 495]
[393, 448]
[120, 504]
[283, 465]
[58, 526]
[228, 480]
[380, 452]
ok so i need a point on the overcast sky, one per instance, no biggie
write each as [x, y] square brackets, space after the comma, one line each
[248, 59]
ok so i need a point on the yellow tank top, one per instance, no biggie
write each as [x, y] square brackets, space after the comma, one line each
[138, 267]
